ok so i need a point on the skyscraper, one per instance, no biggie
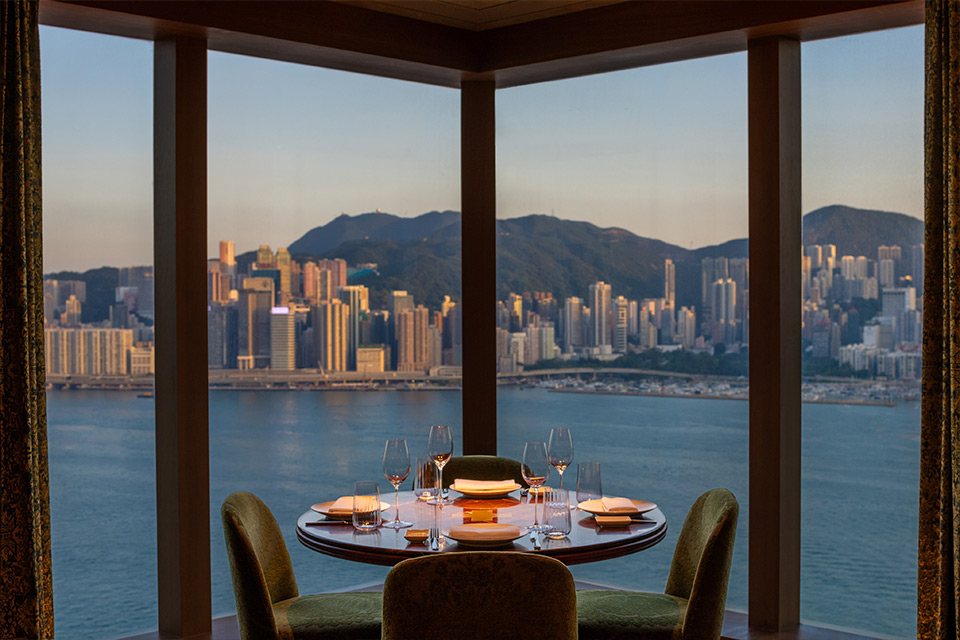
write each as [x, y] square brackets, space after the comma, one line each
[265, 257]
[283, 341]
[621, 311]
[228, 263]
[600, 313]
[357, 298]
[669, 280]
[572, 324]
[253, 323]
[283, 264]
[330, 320]
[397, 302]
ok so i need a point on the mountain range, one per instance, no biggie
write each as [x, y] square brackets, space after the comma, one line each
[544, 253]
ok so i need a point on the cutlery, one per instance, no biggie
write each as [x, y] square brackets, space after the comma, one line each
[323, 522]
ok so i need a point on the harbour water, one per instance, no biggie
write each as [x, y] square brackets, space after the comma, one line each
[294, 448]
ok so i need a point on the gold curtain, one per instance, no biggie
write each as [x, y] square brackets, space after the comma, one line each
[26, 596]
[939, 570]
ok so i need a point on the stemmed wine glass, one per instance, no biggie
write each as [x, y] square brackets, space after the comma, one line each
[396, 467]
[440, 448]
[535, 470]
[560, 450]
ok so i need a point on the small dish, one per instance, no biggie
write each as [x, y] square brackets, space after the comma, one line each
[324, 508]
[481, 494]
[417, 535]
[596, 508]
[488, 535]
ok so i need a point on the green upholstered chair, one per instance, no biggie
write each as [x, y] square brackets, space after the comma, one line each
[269, 605]
[692, 605]
[482, 468]
[480, 595]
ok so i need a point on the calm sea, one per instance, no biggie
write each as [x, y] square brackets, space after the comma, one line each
[860, 479]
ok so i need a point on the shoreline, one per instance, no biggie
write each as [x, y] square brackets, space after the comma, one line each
[704, 396]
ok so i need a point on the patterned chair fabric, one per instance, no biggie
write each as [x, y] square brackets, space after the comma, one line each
[482, 468]
[269, 605]
[693, 603]
[480, 595]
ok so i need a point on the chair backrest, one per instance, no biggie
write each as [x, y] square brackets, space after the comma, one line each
[259, 564]
[480, 595]
[482, 468]
[701, 562]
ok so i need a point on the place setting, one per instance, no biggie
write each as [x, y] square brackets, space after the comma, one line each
[481, 512]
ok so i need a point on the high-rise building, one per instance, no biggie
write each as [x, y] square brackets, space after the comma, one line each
[886, 268]
[548, 341]
[222, 336]
[600, 313]
[338, 273]
[330, 321]
[227, 257]
[572, 324]
[265, 257]
[687, 327]
[283, 265]
[357, 298]
[669, 281]
[917, 273]
[397, 302]
[723, 303]
[413, 341]
[74, 312]
[311, 282]
[621, 311]
[283, 339]
[253, 323]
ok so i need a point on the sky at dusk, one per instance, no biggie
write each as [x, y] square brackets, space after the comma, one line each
[661, 151]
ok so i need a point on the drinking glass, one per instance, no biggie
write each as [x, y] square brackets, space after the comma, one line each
[366, 505]
[588, 482]
[556, 513]
[396, 467]
[535, 470]
[560, 450]
[425, 480]
[440, 448]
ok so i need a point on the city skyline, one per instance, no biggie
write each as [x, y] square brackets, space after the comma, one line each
[616, 149]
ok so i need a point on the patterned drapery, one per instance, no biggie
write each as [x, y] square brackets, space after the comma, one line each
[939, 570]
[26, 596]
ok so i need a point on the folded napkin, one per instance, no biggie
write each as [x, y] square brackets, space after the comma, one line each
[613, 521]
[618, 504]
[344, 504]
[485, 531]
[461, 484]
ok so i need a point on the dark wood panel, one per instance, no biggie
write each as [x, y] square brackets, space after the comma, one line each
[478, 188]
[773, 78]
[635, 34]
[618, 36]
[325, 34]
[180, 248]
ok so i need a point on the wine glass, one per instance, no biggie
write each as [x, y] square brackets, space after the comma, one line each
[560, 450]
[535, 470]
[440, 449]
[396, 467]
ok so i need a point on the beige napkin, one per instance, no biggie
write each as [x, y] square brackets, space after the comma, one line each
[618, 504]
[480, 486]
[344, 504]
[485, 531]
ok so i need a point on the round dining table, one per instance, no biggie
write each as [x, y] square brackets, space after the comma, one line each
[587, 542]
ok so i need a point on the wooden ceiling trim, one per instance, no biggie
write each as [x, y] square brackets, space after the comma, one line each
[638, 33]
[321, 33]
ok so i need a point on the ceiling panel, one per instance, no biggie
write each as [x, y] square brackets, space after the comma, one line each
[479, 15]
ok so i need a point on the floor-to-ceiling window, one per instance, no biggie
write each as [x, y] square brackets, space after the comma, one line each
[623, 283]
[333, 286]
[862, 310]
[98, 311]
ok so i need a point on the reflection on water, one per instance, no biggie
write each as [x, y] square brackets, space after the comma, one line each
[294, 448]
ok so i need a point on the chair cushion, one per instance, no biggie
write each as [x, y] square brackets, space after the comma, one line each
[330, 616]
[629, 615]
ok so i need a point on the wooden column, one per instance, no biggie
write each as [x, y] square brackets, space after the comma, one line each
[775, 299]
[180, 247]
[478, 188]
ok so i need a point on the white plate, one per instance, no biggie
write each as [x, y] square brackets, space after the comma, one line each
[323, 507]
[482, 494]
[488, 543]
[596, 508]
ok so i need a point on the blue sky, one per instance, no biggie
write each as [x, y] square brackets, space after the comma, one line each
[659, 150]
